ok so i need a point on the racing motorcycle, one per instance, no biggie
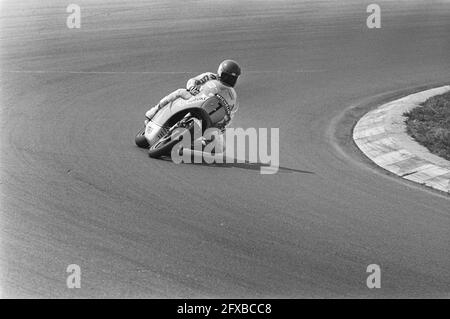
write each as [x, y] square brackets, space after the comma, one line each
[169, 124]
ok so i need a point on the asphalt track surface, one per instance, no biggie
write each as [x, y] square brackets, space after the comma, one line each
[76, 190]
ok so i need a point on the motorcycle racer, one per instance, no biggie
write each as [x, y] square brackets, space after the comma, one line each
[220, 84]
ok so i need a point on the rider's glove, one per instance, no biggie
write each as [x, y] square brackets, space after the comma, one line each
[194, 90]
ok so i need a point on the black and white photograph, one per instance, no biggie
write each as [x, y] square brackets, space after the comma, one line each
[236, 151]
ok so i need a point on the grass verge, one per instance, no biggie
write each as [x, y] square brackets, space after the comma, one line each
[429, 124]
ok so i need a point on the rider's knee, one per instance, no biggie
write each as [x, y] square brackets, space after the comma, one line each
[149, 113]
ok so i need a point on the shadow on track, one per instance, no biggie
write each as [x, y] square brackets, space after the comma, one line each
[247, 165]
[254, 166]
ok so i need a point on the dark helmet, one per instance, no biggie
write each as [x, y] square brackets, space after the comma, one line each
[229, 72]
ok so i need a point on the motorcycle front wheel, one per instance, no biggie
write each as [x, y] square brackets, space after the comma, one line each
[163, 147]
[140, 139]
